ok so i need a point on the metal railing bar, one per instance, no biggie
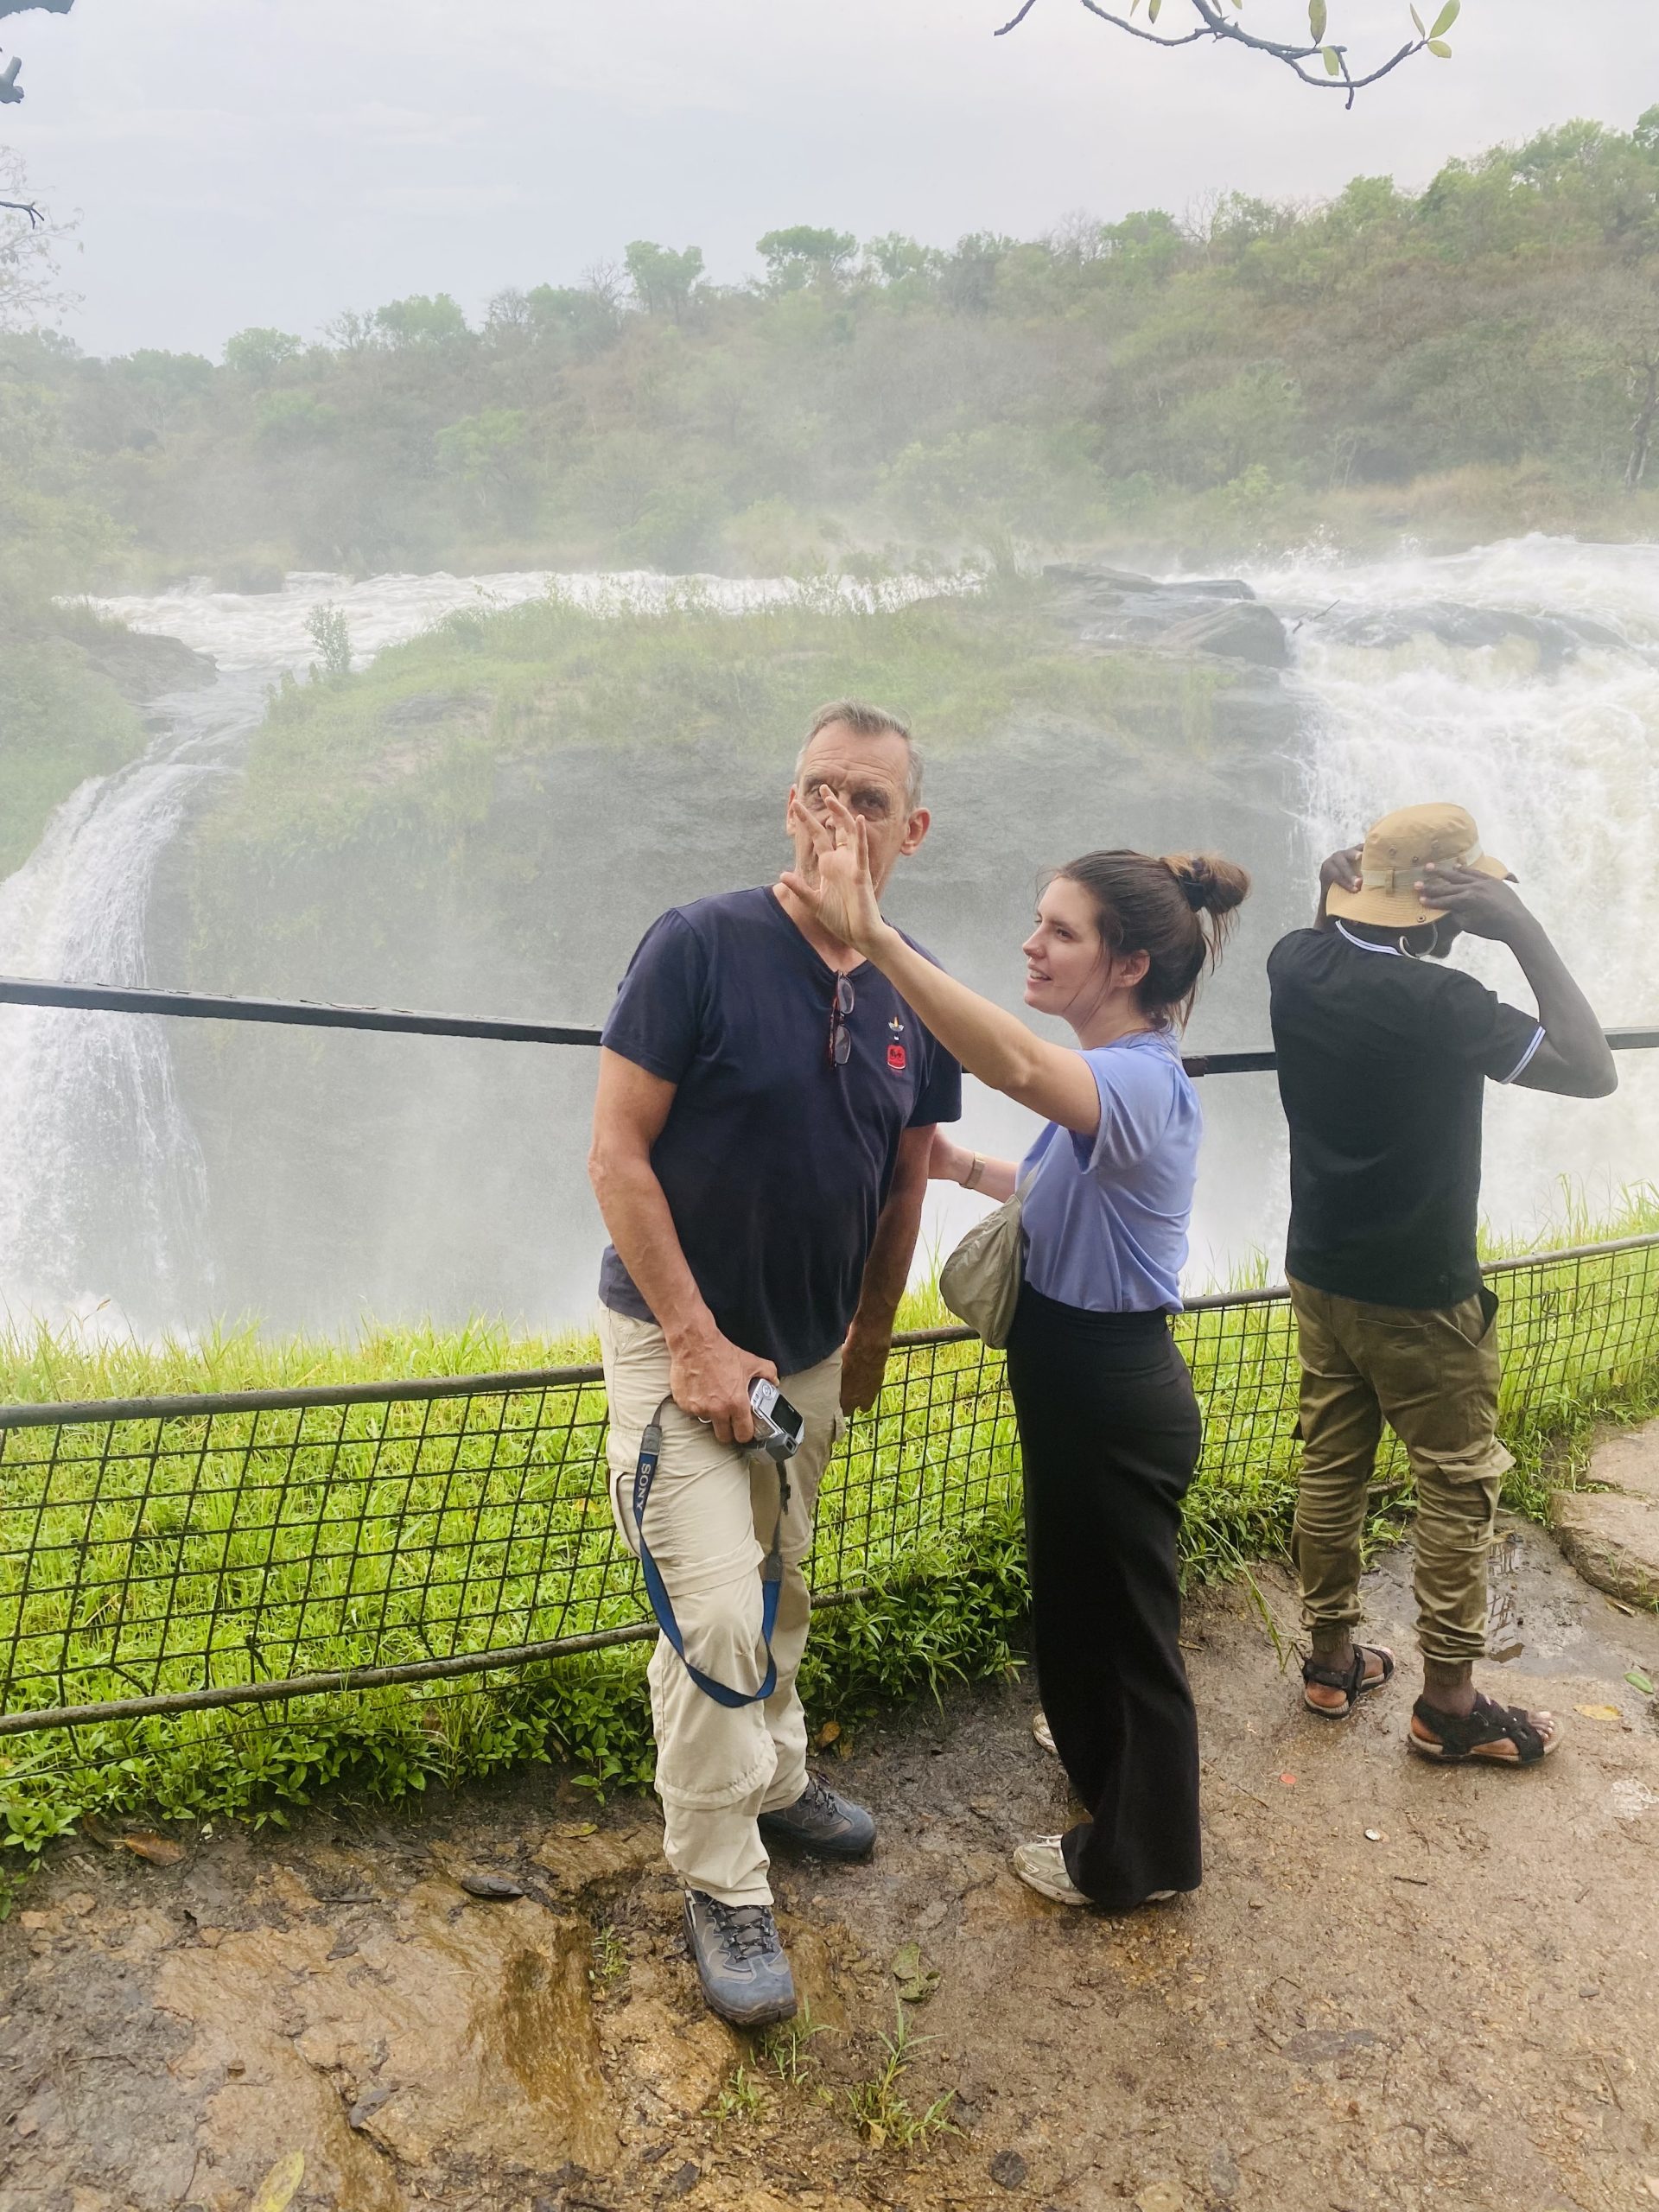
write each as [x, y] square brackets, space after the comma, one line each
[109, 998]
[100, 1412]
[346, 1679]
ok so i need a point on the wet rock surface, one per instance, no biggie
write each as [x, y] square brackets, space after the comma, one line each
[1611, 1535]
[1218, 616]
[1399, 1986]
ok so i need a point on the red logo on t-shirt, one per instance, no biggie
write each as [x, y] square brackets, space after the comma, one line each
[896, 1057]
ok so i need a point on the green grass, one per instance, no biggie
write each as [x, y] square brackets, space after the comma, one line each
[324, 1540]
[420, 736]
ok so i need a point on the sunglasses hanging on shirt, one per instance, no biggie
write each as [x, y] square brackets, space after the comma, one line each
[841, 1037]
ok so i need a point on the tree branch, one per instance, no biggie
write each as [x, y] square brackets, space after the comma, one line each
[1213, 25]
[25, 208]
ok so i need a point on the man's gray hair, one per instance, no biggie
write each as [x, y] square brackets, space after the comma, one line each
[866, 721]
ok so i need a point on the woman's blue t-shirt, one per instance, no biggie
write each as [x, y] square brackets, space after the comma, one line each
[1107, 1215]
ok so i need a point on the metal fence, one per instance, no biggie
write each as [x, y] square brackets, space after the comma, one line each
[164, 1554]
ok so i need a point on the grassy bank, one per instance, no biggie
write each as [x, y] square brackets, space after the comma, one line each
[380, 1535]
[62, 720]
[426, 737]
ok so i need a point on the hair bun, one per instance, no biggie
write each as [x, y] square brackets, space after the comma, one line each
[1208, 884]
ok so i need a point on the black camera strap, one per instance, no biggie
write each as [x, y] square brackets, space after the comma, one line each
[771, 1571]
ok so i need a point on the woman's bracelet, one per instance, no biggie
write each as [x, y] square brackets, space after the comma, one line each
[970, 1181]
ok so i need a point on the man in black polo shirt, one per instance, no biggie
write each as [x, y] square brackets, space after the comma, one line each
[766, 1110]
[1383, 1060]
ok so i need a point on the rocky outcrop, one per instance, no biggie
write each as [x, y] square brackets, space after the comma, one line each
[140, 666]
[1216, 616]
[1611, 1533]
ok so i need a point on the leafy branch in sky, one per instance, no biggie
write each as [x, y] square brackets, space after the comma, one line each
[1319, 59]
[10, 90]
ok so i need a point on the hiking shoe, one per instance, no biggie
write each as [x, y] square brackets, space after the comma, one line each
[1041, 1866]
[740, 1963]
[819, 1820]
[1041, 1730]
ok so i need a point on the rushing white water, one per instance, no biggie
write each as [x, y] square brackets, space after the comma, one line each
[1521, 680]
[101, 1175]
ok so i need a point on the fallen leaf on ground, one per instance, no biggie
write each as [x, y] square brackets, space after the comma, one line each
[916, 1981]
[1289, 1781]
[1600, 1712]
[1639, 1679]
[575, 1827]
[827, 1734]
[159, 1850]
[276, 2192]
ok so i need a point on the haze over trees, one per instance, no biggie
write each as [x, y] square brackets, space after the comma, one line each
[1479, 355]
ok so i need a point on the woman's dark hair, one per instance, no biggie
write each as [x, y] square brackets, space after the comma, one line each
[1177, 911]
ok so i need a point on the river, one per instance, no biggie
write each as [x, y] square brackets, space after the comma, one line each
[1522, 679]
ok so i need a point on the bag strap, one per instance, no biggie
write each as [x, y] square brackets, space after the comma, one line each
[771, 1572]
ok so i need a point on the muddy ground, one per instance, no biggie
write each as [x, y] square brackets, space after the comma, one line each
[1399, 1986]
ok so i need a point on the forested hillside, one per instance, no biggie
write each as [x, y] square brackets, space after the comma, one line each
[1480, 356]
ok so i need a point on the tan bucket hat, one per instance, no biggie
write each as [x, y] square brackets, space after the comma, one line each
[1401, 848]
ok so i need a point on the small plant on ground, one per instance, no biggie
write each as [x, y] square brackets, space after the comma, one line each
[610, 1960]
[741, 2102]
[785, 2046]
[881, 2112]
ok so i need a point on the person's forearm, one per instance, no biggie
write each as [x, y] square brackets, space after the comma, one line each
[887, 1270]
[636, 1215]
[987, 1179]
[1570, 1022]
[993, 1045]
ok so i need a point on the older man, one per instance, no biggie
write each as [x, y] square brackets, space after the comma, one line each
[766, 1104]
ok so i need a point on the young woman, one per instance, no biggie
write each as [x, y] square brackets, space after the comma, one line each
[1109, 1428]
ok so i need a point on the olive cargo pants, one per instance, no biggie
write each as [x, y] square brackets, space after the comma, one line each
[709, 1522]
[1432, 1373]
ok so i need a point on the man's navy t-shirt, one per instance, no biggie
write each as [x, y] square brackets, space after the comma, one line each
[775, 1162]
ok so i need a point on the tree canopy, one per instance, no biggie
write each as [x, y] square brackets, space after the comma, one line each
[1487, 347]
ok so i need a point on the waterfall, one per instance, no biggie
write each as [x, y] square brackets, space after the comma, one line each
[1521, 681]
[101, 1176]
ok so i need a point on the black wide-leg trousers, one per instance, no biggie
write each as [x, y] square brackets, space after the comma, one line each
[1109, 1432]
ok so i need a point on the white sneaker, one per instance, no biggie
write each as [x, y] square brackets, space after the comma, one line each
[1041, 1730]
[1040, 1865]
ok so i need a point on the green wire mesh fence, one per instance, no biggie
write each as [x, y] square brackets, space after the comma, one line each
[161, 1555]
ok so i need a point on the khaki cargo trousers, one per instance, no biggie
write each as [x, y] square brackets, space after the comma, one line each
[1432, 1373]
[709, 1522]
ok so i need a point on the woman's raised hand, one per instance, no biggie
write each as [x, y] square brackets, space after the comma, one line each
[839, 891]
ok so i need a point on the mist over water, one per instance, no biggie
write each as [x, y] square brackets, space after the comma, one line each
[401, 1177]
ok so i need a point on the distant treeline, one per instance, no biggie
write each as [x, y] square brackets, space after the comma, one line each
[1238, 372]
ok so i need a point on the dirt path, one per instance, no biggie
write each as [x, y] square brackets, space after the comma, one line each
[1398, 1987]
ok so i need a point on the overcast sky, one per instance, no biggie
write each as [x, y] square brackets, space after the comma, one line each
[239, 162]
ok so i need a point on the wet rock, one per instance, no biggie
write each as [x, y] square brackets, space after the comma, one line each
[141, 667]
[467, 2039]
[1612, 1541]
[497, 1887]
[1244, 631]
[1009, 2169]
[1629, 1462]
[1225, 2179]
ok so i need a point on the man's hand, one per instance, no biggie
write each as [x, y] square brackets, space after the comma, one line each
[1480, 904]
[863, 1369]
[709, 1377]
[1341, 869]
